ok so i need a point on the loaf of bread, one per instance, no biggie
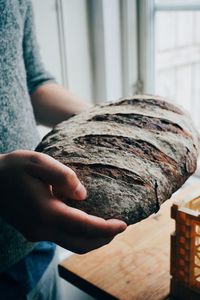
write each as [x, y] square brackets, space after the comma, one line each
[131, 155]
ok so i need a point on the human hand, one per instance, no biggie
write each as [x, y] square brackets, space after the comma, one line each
[32, 185]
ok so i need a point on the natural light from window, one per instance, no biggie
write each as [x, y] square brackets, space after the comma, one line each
[177, 58]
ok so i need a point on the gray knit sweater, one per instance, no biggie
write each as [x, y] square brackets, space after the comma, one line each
[21, 72]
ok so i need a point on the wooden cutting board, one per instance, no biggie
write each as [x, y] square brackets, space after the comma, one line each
[134, 266]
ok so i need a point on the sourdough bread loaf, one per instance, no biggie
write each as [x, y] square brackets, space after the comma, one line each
[131, 155]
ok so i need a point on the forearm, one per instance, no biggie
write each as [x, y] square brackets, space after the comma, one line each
[53, 104]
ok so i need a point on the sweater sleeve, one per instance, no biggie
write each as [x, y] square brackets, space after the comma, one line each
[35, 71]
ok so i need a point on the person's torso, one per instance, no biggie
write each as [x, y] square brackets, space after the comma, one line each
[18, 130]
[17, 124]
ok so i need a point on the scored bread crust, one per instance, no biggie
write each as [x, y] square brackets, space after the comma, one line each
[131, 155]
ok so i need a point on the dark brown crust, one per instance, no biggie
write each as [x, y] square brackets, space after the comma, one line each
[141, 121]
[130, 159]
[143, 103]
[140, 148]
[156, 194]
[109, 171]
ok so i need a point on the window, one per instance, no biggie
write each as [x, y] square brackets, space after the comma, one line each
[90, 45]
[104, 50]
[178, 54]
[173, 45]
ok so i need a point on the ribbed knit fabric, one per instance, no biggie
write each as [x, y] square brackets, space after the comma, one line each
[21, 72]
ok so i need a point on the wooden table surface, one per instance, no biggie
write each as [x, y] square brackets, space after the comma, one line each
[134, 266]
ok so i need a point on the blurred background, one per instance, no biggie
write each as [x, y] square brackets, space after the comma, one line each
[104, 50]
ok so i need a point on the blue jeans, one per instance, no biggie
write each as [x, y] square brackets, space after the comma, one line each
[48, 288]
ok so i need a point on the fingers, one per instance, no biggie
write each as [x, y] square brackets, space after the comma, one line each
[77, 223]
[80, 245]
[71, 228]
[63, 179]
[79, 232]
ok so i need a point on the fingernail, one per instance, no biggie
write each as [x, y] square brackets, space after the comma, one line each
[80, 192]
[123, 226]
[120, 226]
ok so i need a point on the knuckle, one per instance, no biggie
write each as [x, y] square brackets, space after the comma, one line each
[71, 178]
[13, 160]
[63, 177]
[70, 173]
[36, 158]
[12, 155]
[15, 152]
[18, 153]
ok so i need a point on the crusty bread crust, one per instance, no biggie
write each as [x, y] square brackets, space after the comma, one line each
[131, 155]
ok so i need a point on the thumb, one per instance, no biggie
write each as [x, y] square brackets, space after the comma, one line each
[64, 180]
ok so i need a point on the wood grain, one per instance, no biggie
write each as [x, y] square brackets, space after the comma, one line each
[135, 265]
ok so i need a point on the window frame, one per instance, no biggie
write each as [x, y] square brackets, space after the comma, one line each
[146, 35]
[173, 5]
[125, 61]
[146, 45]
